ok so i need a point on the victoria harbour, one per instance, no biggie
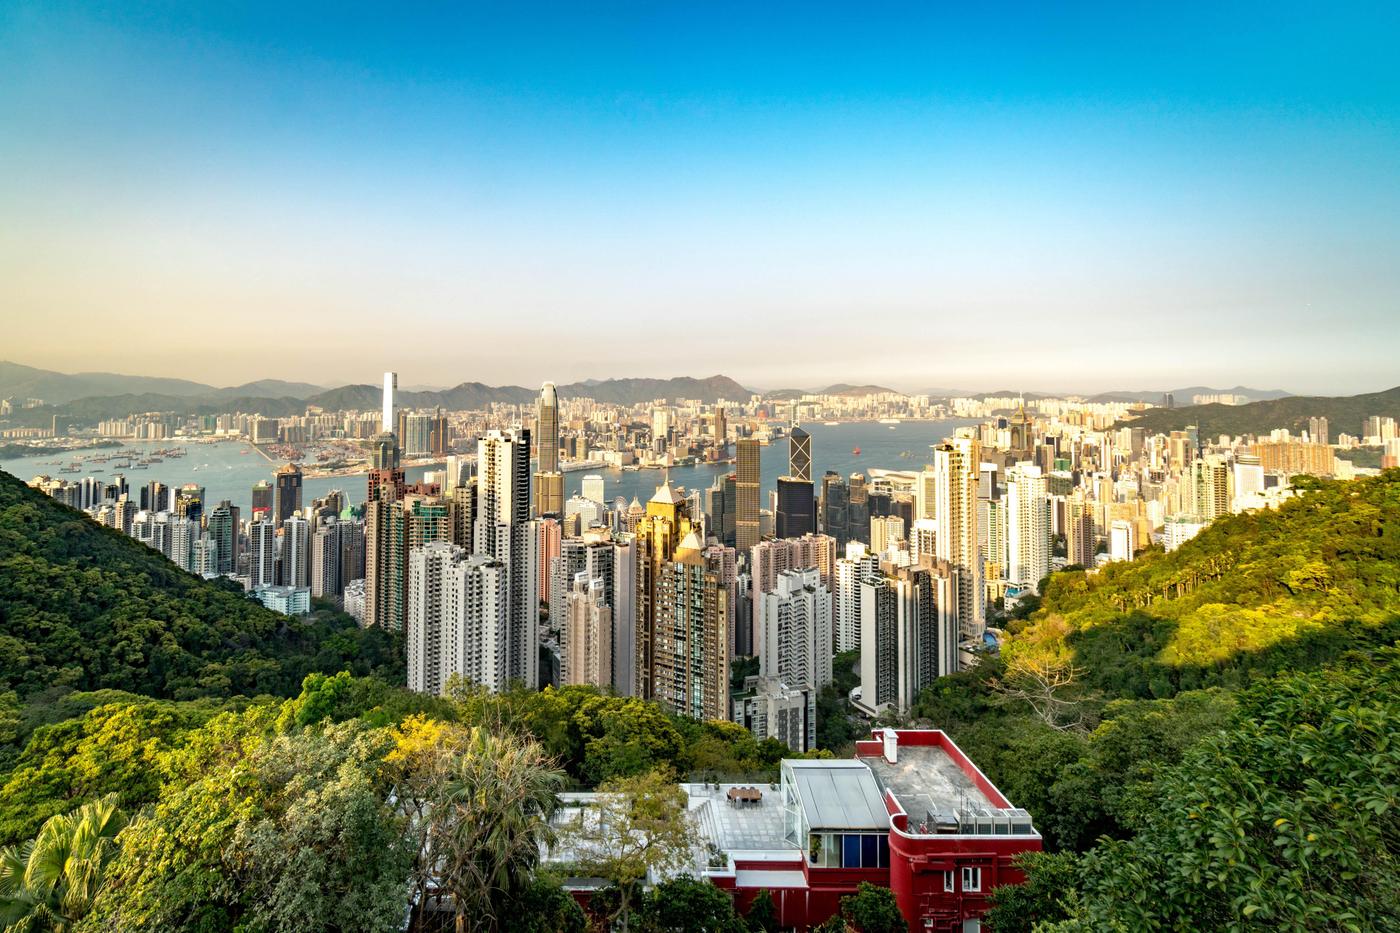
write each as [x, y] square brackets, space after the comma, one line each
[228, 469]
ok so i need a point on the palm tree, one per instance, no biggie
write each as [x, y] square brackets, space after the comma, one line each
[49, 883]
[492, 823]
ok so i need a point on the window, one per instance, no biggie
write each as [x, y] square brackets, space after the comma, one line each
[870, 851]
[972, 879]
[948, 881]
[851, 845]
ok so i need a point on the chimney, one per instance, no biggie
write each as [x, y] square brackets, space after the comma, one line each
[891, 746]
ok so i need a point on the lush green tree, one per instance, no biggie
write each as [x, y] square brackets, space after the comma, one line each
[638, 826]
[1290, 819]
[50, 883]
[543, 906]
[1046, 896]
[872, 909]
[291, 832]
[763, 913]
[489, 821]
[833, 924]
[687, 905]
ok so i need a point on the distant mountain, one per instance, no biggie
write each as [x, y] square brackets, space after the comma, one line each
[478, 395]
[637, 391]
[17, 380]
[840, 388]
[1343, 414]
[1184, 396]
[270, 388]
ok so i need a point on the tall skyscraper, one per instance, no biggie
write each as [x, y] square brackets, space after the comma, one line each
[800, 454]
[834, 506]
[797, 509]
[287, 486]
[1027, 526]
[900, 638]
[386, 562]
[850, 571]
[690, 651]
[549, 482]
[325, 560]
[261, 500]
[956, 465]
[665, 524]
[504, 531]
[747, 531]
[223, 527]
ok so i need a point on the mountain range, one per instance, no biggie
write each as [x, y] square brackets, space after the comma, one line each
[1343, 414]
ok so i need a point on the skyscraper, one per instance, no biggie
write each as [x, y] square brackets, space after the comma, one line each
[325, 560]
[296, 552]
[287, 486]
[1027, 526]
[797, 509]
[690, 650]
[261, 501]
[665, 524]
[900, 638]
[549, 482]
[746, 518]
[223, 527]
[800, 454]
[503, 531]
[792, 629]
[588, 651]
[262, 554]
[955, 464]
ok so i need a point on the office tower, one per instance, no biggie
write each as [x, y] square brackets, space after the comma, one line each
[746, 518]
[666, 522]
[325, 560]
[716, 513]
[797, 510]
[391, 385]
[900, 638]
[956, 465]
[800, 455]
[1080, 539]
[296, 552]
[886, 533]
[153, 497]
[833, 507]
[189, 502]
[792, 630]
[587, 655]
[503, 531]
[457, 620]
[549, 482]
[849, 572]
[262, 554]
[1027, 526]
[594, 487]
[262, 499]
[690, 645]
[438, 440]
[223, 526]
[858, 509]
[287, 491]
[1122, 540]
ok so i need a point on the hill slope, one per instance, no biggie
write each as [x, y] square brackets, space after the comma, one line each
[1343, 414]
[86, 607]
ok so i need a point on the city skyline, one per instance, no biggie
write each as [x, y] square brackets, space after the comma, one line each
[1126, 198]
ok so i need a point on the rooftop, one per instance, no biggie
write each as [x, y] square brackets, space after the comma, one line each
[752, 827]
[939, 795]
[838, 794]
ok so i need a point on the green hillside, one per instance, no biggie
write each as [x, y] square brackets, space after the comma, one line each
[1344, 414]
[85, 607]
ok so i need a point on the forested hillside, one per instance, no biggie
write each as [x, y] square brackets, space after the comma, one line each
[86, 607]
[1343, 413]
[1185, 700]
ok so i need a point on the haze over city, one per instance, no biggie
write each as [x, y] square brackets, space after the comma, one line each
[1079, 200]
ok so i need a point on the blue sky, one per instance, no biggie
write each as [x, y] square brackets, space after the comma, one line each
[1091, 196]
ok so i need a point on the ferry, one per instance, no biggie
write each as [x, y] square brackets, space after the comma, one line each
[855, 451]
[889, 421]
[832, 424]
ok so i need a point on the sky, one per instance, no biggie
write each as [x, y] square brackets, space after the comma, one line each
[1036, 196]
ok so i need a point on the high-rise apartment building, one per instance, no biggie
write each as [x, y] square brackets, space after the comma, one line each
[850, 571]
[458, 619]
[223, 527]
[262, 554]
[956, 464]
[588, 642]
[666, 523]
[295, 568]
[690, 645]
[905, 641]
[1027, 526]
[504, 531]
[747, 529]
[792, 629]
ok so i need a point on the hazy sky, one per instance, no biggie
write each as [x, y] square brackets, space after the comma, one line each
[1089, 197]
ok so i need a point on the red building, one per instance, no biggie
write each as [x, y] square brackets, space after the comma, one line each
[910, 812]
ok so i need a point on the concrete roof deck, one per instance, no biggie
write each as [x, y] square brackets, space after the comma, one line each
[925, 779]
[752, 827]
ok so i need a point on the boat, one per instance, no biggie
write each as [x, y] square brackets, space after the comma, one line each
[889, 421]
[891, 427]
[855, 451]
[832, 424]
